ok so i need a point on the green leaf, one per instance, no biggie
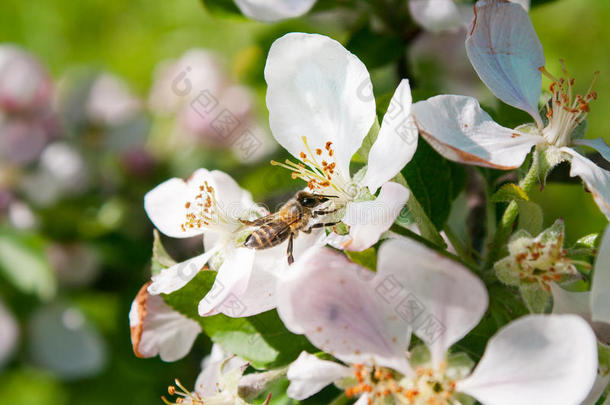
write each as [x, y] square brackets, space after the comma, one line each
[261, 339]
[362, 156]
[535, 297]
[160, 258]
[530, 217]
[23, 261]
[509, 192]
[366, 43]
[367, 258]
[435, 182]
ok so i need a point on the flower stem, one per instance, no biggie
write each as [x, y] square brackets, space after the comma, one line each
[505, 226]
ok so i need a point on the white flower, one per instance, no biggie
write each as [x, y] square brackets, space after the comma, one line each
[365, 320]
[508, 56]
[321, 108]
[156, 329]
[211, 203]
[217, 383]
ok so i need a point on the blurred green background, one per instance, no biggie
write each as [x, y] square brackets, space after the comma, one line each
[129, 39]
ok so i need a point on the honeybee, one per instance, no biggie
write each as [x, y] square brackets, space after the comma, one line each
[293, 216]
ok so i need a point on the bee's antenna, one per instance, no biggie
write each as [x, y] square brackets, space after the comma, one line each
[328, 196]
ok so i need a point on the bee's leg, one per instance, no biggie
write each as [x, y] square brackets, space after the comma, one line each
[289, 250]
[321, 225]
[322, 212]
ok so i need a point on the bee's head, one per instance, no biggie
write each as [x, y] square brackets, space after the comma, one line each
[310, 200]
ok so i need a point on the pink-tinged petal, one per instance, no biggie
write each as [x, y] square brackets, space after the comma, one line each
[156, 329]
[308, 375]
[507, 54]
[369, 219]
[274, 10]
[230, 283]
[440, 298]
[596, 179]
[397, 138]
[318, 89]
[174, 278]
[460, 130]
[600, 286]
[537, 359]
[435, 15]
[598, 144]
[328, 299]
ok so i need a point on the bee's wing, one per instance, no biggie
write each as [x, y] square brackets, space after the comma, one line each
[261, 221]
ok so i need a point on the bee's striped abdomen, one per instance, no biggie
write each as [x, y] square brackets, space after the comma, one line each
[267, 236]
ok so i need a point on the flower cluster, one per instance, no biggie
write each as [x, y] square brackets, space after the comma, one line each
[388, 314]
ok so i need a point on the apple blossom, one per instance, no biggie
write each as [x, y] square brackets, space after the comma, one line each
[217, 384]
[320, 110]
[508, 56]
[365, 319]
[534, 263]
[211, 204]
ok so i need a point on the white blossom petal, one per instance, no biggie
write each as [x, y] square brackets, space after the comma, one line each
[230, 283]
[308, 375]
[329, 299]
[598, 144]
[435, 15]
[397, 139]
[569, 302]
[274, 10]
[600, 286]
[318, 89]
[213, 367]
[177, 276]
[507, 54]
[596, 179]
[460, 130]
[157, 329]
[442, 300]
[269, 265]
[369, 219]
[166, 203]
[550, 359]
